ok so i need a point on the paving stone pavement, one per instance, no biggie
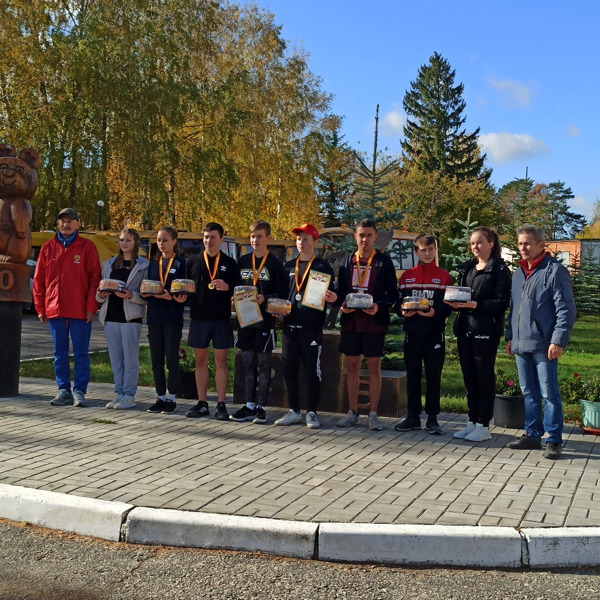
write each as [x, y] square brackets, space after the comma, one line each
[325, 475]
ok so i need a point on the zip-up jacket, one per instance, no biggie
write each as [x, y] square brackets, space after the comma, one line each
[425, 281]
[385, 293]
[542, 310]
[134, 307]
[66, 279]
[491, 291]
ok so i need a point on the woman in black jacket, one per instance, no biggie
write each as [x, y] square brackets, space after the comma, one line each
[479, 326]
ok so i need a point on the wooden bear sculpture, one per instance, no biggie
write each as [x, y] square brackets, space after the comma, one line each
[18, 183]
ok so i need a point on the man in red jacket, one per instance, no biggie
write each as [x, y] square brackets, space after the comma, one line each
[64, 293]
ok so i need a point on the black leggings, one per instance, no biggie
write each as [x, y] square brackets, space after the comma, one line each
[164, 343]
[477, 356]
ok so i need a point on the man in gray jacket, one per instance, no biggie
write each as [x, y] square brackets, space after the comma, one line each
[542, 314]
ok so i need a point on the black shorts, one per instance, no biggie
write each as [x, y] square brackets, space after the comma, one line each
[203, 332]
[257, 339]
[370, 345]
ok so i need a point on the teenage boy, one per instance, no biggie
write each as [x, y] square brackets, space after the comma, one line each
[64, 293]
[363, 331]
[264, 271]
[215, 275]
[303, 327]
[424, 343]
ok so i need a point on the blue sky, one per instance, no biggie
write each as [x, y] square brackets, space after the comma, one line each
[530, 71]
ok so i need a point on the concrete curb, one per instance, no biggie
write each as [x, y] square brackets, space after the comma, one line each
[85, 516]
[393, 545]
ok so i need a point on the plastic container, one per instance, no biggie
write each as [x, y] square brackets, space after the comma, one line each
[183, 286]
[279, 307]
[456, 293]
[419, 304]
[359, 300]
[111, 285]
[151, 287]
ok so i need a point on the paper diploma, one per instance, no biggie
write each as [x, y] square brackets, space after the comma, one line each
[247, 308]
[314, 294]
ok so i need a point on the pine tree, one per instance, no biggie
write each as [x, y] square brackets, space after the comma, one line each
[435, 139]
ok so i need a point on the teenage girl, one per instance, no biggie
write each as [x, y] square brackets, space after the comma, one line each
[165, 320]
[478, 328]
[121, 314]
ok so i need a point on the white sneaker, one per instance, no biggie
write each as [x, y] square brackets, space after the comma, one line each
[311, 420]
[374, 423]
[125, 403]
[463, 433]
[114, 402]
[348, 421]
[479, 434]
[290, 418]
[79, 398]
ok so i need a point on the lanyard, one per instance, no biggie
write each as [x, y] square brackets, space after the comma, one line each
[297, 270]
[255, 273]
[362, 276]
[214, 273]
[163, 278]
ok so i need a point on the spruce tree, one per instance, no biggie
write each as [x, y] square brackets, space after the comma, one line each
[435, 139]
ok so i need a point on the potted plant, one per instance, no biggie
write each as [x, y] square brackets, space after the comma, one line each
[187, 373]
[586, 391]
[509, 409]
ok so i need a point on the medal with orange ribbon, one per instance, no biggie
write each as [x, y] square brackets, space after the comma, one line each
[163, 276]
[297, 273]
[362, 276]
[255, 273]
[211, 285]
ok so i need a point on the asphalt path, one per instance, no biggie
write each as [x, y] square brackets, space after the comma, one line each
[45, 565]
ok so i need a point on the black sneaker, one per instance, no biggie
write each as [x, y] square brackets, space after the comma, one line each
[198, 410]
[244, 414]
[525, 442]
[221, 414]
[553, 451]
[261, 415]
[408, 424]
[157, 407]
[169, 408]
[432, 426]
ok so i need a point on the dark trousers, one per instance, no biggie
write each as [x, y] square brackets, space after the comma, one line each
[302, 344]
[427, 349]
[477, 359]
[164, 344]
[257, 373]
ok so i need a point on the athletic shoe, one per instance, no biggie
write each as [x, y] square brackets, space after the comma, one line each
[408, 424]
[479, 434]
[432, 426]
[374, 423]
[169, 408]
[221, 413]
[291, 417]
[79, 399]
[199, 409]
[157, 406]
[63, 398]
[348, 421]
[553, 451]
[114, 402]
[244, 414]
[311, 420]
[125, 403]
[463, 433]
[525, 442]
[261, 416]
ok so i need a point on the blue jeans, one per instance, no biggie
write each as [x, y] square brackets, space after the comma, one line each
[80, 331]
[538, 378]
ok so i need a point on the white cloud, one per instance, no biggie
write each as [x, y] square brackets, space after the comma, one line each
[392, 122]
[506, 147]
[573, 131]
[582, 206]
[515, 93]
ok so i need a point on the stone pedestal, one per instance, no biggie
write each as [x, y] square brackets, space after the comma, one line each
[392, 400]
[11, 315]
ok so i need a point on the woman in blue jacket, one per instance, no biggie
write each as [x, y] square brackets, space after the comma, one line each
[478, 328]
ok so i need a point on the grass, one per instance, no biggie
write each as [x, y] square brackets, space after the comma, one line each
[580, 356]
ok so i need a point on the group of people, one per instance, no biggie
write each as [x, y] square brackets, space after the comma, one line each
[542, 313]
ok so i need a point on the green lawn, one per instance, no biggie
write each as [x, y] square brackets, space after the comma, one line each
[580, 356]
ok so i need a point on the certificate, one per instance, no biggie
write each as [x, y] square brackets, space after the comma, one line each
[246, 308]
[314, 293]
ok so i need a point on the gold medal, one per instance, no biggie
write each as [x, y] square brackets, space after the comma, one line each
[211, 286]
[361, 276]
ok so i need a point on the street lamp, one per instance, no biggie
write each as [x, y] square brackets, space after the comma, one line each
[100, 204]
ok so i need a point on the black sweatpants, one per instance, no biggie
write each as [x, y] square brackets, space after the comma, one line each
[164, 344]
[477, 356]
[427, 349]
[302, 344]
